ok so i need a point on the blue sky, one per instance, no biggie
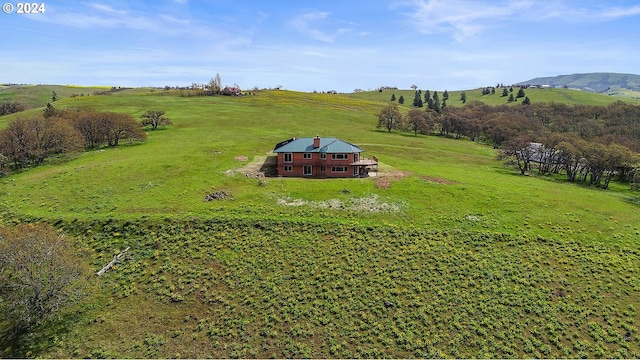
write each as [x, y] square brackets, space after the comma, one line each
[318, 45]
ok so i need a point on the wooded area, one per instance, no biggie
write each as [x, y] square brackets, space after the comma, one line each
[591, 144]
[29, 141]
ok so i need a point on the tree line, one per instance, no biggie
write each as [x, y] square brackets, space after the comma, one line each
[29, 141]
[590, 144]
[11, 107]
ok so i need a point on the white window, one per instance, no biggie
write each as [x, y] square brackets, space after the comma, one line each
[339, 156]
[355, 171]
[288, 157]
[288, 168]
[306, 156]
[339, 169]
[323, 156]
[356, 157]
[306, 170]
[323, 168]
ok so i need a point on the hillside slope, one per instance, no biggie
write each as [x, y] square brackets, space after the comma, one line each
[35, 96]
[594, 82]
[471, 261]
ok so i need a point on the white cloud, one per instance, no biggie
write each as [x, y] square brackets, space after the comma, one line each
[303, 24]
[601, 13]
[309, 23]
[462, 18]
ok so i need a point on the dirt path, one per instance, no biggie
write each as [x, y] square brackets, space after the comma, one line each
[259, 165]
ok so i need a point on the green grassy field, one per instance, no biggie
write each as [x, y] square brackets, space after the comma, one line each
[557, 95]
[477, 260]
[36, 96]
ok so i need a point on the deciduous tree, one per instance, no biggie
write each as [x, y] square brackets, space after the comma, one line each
[29, 141]
[518, 150]
[390, 118]
[40, 271]
[155, 118]
[215, 85]
[417, 121]
[11, 107]
[121, 126]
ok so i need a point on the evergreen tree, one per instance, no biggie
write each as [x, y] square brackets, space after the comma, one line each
[493, 91]
[49, 111]
[417, 101]
[511, 89]
[444, 104]
[463, 97]
[54, 96]
[505, 92]
[520, 93]
[393, 97]
[427, 97]
[401, 100]
[526, 101]
[511, 99]
[445, 95]
[436, 101]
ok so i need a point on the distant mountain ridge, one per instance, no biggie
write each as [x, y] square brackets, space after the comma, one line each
[594, 82]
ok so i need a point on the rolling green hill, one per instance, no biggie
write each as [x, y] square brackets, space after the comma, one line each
[445, 253]
[593, 82]
[556, 95]
[36, 96]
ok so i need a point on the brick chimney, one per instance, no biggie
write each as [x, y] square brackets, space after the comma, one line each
[316, 142]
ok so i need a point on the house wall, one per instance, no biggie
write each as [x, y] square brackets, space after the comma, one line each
[298, 162]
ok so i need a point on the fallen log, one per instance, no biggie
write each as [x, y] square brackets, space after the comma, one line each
[116, 258]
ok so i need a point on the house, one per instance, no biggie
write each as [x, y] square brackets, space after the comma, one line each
[321, 157]
[231, 91]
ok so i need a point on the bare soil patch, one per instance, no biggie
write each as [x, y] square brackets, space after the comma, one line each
[261, 166]
[384, 179]
[241, 158]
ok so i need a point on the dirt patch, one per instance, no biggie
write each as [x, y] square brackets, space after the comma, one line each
[241, 158]
[437, 180]
[261, 166]
[384, 179]
[383, 182]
